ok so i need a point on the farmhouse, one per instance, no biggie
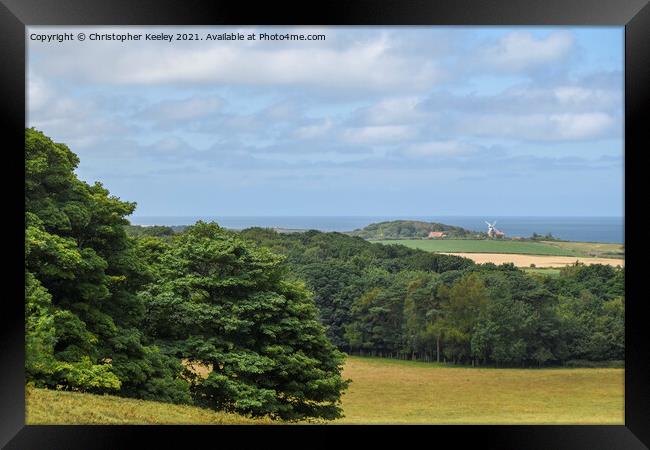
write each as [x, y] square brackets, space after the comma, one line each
[436, 234]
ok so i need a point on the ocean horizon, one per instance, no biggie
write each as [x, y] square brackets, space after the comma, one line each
[583, 229]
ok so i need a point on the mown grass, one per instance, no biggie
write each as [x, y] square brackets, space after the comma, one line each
[385, 391]
[550, 248]
[392, 391]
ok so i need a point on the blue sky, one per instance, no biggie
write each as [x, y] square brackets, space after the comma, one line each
[391, 121]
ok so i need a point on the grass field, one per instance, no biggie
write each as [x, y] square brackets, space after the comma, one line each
[594, 249]
[57, 407]
[550, 248]
[391, 391]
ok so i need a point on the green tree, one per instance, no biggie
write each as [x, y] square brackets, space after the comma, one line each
[462, 304]
[82, 275]
[220, 302]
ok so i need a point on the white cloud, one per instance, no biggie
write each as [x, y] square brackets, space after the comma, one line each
[175, 114]
[520, 50]
[314, 131]
[578, 96]
[397, 110]
[369, 63]
[363, 102]
[187, 109]
[439, 148]
[378, 134]
[77, 121]
[581, 126]
[539, 127]
[38, 93]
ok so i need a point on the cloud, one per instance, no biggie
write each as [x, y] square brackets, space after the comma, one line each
[364, 109]
[581, 126]
[571, 110]
[379, 134]
[370, 62]
[316, 130]
[439, 148]
[539, 127]
[173, 111]
[390, 111]
[75, 120]
[38, 93]
[520, 50]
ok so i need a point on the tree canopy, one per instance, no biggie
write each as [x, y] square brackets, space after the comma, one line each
[106, 312]
[400, 302]
[221, 302]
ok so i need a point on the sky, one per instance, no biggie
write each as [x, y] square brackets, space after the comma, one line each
[371, 121]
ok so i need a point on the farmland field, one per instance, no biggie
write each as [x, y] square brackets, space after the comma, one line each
[390, 391]
[552, 248]
[595, 249]
[539, 261]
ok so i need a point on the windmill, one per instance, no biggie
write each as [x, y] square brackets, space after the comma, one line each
[492, 231]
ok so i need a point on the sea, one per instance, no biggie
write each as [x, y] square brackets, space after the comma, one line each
[581, 229]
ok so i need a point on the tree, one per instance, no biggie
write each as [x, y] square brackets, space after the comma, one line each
[421, 310]
[461, 305]
[82, 312]
[220, 302]
[503, 331]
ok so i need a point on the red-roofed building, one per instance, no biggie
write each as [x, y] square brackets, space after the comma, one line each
[436, 234]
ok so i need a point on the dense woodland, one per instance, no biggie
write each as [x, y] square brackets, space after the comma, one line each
[399, 302]
[112, 307]
[393, 301]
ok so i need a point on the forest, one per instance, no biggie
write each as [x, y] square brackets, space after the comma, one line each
[116, 308]
[406, 303]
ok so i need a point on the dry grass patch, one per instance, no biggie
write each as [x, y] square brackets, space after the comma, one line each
[539, 260]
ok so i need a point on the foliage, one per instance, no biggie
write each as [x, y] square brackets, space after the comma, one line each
[221, 302]
[81, 280]
[409, 229]
[393, 301]
[339, 268]
[155, 230]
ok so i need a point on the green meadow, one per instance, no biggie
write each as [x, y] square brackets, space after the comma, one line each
[393, 391]
[385, 391]
[550, 248]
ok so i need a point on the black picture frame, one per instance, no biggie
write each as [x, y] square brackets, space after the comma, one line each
[15, 15]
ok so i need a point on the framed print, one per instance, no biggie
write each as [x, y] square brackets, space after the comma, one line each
[397, 216]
